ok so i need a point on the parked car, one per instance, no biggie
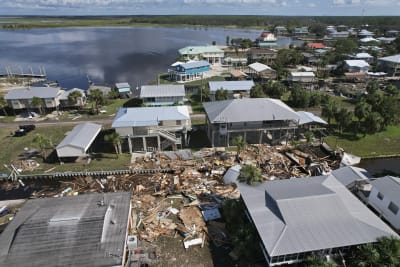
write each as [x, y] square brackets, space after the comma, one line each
[19, 132]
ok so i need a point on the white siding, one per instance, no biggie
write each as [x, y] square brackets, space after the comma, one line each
[382, 207]
[69, 151]
[124, 131]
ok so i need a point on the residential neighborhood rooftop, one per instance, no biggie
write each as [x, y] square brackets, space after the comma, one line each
[195, 50]
[231, 85]
[29, 92]
[162, 90]
[390, 185]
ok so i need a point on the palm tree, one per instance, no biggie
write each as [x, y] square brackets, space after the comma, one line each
[221, 94]
[240, 144]
[37, 103]
[115, 139]
[3, 105]
[250, 174]
[362, 111]
[97, 97]
[329, 110]
[74, 96]
[42, 142]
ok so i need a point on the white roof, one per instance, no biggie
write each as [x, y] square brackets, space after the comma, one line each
[302, 74]
[149, 116]
[81, 136]
[368, 39]
[309, 214]
[393, 59]
[362, 55]
[30, 92]
[308, 117]
[162, 90]
[249, 109]
[231, 85]
[389, 186]
[122, 85]
[259, 67]
[357, 63]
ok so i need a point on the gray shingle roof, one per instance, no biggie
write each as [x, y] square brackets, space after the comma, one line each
[149, 116]
[30, 92]
[249, 109]
[231, 85]
[163, 90]
[389, 186]
[67, 231]
[309, 214]
[81, 136]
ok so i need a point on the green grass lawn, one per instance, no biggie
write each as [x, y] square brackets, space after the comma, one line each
[383, 143]
[11, 147]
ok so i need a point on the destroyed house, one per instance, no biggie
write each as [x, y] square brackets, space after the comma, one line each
[153, 128]
[85, 230]
[300, 217]
[256, 119]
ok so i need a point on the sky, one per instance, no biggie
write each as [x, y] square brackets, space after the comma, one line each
[234, 7]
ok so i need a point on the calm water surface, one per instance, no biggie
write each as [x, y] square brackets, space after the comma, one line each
[105, 55]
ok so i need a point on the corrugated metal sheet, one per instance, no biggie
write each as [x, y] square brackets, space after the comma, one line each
[389, 186]
[231, 85]
[149, 116]
[29, 92]
[67, 231]
[393, 59]
[259, 67]
[163, 90]
[81, 137]
[249, 109]
[308, 117]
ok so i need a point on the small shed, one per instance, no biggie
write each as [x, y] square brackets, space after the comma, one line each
[261, 70]
[123, 88]
[78, 141]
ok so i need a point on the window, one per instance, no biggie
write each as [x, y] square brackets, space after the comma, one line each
[393, 208]
[380, 195]
[178, 122]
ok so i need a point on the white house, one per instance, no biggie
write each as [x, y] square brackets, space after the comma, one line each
[385, 199]
[302, 76]
[357, 65]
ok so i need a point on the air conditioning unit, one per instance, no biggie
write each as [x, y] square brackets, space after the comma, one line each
[132, 242]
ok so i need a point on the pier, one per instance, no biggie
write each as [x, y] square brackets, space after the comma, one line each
[18, 72]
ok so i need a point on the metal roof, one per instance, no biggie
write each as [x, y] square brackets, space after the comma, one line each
[249, 109]
[162, 90]
[302, 74]
[81, 136]
[195, 50]
[349, 174]
[65, 94]
[259, 67]
[30, 92]
[362, 55]
[149, 116]
[309, 214]
[68, 231]
[389, 186]
[368, 39]
[357, 63]
[308, 117]
[195, 64]
[231, 85]
[394, 58]
[122, 85]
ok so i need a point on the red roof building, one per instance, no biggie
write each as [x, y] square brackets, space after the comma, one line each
[316, 45]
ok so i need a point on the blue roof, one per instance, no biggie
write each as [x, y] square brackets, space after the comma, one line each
[149, 116]
[231, 85]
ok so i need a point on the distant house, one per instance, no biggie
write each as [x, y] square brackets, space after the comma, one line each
[236, 89]
[259, 70]
[368, 40]
[266, 39]
[356, 65]
[392, 33]
[86, 230]
[264, 54]
[211, 53]
[301, 77]
[297, 218]
[185, 72]
[300, 31]
[78, 141]
[338, 34]
[22, 98]
[280, 30]
[365, 33]
[123, 88]
[153, 128]
[363, 56]
[316, 45]
[386, 40]
[390, 65]
[80, 101]
[103, 88]
[162, 95]
[258, 120]
[385, 199]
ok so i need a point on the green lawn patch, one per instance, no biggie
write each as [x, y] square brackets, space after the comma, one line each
[379, 144]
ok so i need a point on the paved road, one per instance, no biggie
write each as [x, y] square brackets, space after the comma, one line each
[104, 121]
